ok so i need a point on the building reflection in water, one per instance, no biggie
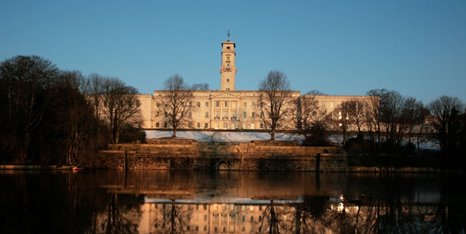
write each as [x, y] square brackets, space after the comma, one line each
[229, 216]
[285, 216]
[183, 210]
[251, 202]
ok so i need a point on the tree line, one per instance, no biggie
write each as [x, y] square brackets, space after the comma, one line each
[52, 116]
[382, 121]
[394, 123]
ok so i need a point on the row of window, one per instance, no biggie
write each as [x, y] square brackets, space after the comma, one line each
[198, 125]
[231, 103]
[216, 230]
[217, 115]
[216, 207]
[217, 104]
[233, 115]
[225, 125]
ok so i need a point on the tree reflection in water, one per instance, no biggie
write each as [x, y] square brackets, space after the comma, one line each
[165, 202]
[308, 214]
[120, 218]
[175, 218]
[270, 221]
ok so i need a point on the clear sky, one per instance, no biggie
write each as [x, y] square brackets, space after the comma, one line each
[337, 47]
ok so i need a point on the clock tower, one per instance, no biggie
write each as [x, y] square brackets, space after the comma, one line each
[228, 69]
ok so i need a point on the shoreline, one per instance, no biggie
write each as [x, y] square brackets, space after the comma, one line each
[357, 169]
[188, 154]
[38, 167]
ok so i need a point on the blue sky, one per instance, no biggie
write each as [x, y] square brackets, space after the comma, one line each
[338, 47]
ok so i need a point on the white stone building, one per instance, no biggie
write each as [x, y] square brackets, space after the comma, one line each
[226, 108]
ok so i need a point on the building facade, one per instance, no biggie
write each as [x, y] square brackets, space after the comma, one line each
[226, 108]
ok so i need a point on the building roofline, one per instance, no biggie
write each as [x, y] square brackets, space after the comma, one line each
[331, 95]
[229, 91]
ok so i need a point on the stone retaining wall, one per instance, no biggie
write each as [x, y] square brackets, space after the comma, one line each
[188, 154]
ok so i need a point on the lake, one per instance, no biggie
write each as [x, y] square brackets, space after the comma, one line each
[229, 202]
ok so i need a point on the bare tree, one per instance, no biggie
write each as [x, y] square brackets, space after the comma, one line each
[201, 86]
[391, 104]
[25, 83]
[413, 114]
[442, 109]
[386, 114]
[309, 112]
[176, 102]
[357, 109]
[394, 116]
[47, 115]
[92, 88]
[120, 106]
[315, 92]
[274, 101]
[373, 113]
[340, 118]
[350, 113]
[72, 117]
[310, 120]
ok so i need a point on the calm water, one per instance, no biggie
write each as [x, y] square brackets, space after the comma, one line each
[235, 202]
